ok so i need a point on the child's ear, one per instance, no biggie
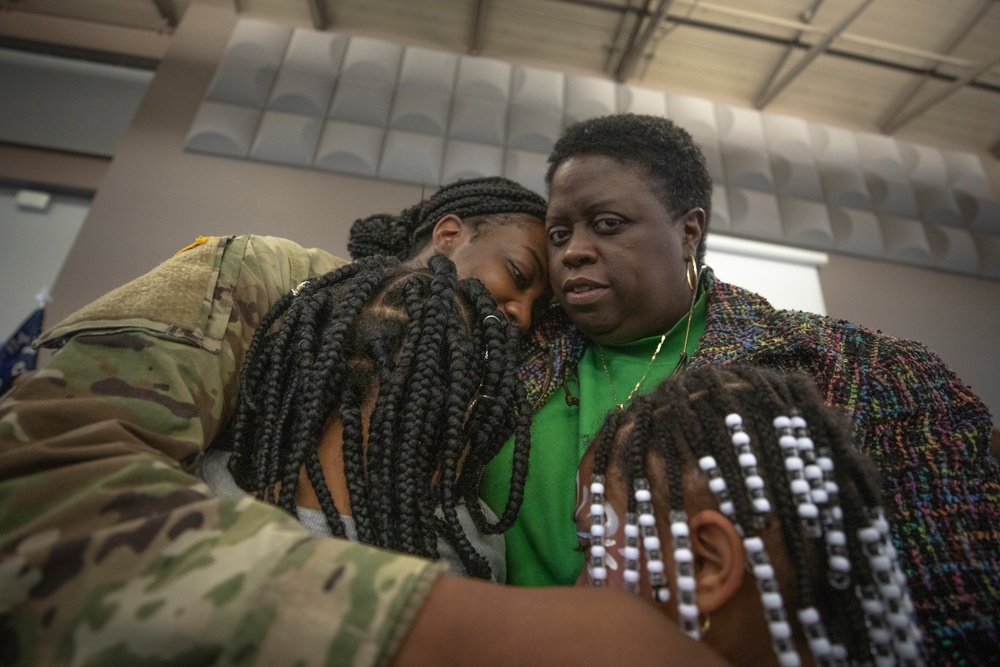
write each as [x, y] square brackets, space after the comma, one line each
[719, 559]
[447, 234]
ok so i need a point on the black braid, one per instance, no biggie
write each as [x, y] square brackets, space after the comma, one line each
[385, 421]
[425, 395]
[493, 200]
[603, 444]
[430, 360]
[461, 356]
[354, 469]
[383, 234]
[635, 457]
[408, 346]
[320, 374]
[684, 419]
[500, 401]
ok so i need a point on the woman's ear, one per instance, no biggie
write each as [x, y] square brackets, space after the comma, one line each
[448, 234]
[719, 559]
[694, 229]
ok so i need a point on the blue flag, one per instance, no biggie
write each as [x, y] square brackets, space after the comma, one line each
[17, 356]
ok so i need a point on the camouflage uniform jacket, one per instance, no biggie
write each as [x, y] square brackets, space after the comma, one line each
[111, 552]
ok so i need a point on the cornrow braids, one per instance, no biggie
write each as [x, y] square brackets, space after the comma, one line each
[664, 150]
[412, 354]
[478, 201]
[768, 449]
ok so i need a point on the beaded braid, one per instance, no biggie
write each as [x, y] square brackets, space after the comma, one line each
[399, 349]
[641, 504]
[596, 570]
[793, 502]
[746, 430]
[476, 201]
[885, 596]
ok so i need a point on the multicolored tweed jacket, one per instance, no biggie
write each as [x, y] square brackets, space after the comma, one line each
[927, 432]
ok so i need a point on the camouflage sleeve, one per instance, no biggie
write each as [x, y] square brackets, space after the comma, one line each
[111, 552]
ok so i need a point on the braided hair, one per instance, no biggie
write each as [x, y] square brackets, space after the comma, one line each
[420, 367]
[767, 448]
[478, 201]
[664, 151]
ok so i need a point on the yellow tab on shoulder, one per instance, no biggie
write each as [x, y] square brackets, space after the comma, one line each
[201, 240]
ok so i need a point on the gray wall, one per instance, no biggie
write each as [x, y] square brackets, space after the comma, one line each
[156, 198]
[955, 316]
[33, 245]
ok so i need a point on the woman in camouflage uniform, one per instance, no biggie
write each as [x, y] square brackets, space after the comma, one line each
[113, 552]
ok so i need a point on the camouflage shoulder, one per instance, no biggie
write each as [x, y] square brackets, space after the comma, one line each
[174, 299]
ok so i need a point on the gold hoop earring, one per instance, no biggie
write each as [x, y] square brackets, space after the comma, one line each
[691, 272]
[705, 625]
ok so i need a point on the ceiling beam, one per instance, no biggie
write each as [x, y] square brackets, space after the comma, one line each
[743, 29]
[168, 12]
[768, 93]
[616, 48]
[317, 10]
[87, 40]
[742, 16]
[630, 56]
[916, 84]
[478, 27]
[807, 16]
[904, 117]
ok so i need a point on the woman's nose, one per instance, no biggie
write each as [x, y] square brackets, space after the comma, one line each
[518, 311]
[577, 251]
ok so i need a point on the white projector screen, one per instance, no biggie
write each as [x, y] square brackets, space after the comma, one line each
[787, 277]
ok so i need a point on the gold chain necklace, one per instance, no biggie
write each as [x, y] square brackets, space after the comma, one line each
[614, 394]
[680, 364]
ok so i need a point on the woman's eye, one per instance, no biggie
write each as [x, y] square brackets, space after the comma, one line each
[558, 235]
[608, 224]
[520, 280]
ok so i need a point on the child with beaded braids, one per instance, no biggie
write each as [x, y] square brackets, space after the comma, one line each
[493, 228]
[370, 400]
[732, 496]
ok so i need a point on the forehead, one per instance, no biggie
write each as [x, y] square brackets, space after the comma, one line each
[514, 227]
[589, 180]
[527, 240]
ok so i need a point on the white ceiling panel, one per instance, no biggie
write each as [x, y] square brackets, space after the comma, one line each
[724, 50]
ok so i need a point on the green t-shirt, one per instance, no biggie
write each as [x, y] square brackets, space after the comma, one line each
[542, 544]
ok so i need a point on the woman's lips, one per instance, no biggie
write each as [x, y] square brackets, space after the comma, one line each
[582, 292]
